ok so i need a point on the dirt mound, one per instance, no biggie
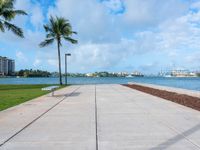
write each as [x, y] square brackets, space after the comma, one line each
[186, 100]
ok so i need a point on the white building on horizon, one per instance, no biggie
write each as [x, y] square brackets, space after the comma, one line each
[7, 66]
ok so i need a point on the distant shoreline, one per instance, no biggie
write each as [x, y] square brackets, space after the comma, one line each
[105, 77]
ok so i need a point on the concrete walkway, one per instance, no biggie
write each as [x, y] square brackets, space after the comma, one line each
[101, 117]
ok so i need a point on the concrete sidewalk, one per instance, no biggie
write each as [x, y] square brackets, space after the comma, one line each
[103, 117]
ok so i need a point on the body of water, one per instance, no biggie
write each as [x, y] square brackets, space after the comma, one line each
[185, 83]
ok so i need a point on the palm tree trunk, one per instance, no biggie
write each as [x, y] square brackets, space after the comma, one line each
[59, 62]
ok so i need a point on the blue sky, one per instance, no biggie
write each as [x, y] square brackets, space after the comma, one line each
[113, 35]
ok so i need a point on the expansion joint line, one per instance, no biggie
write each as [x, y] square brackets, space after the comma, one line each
[96, 120]
[33, 121]
[179, 133]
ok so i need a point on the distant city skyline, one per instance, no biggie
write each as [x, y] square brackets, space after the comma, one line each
[114, 35]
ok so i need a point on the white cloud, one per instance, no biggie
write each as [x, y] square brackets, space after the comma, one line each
[193, 60]
[181, 33]
[149, 67]
[35, 14]
[21, 56]
[53, 62]
[148, 13]
[107, 40]
[115, 6]
[195, 5]
[37, 18]
[96, 56]
[89, 18]
[37, 62]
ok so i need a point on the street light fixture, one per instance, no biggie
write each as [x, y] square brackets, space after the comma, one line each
[68, 54]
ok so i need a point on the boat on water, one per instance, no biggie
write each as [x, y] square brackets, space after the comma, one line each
[168, 76]
[129, 76]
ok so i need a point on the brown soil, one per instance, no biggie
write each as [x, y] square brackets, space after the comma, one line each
[186, 100]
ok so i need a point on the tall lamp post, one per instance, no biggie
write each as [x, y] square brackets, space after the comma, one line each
[68, 54]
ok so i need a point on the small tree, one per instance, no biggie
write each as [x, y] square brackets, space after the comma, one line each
[58, 28]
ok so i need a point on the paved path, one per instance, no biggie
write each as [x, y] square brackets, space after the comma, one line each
[102, 117]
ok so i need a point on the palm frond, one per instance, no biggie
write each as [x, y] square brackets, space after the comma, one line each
[7, 4]
[16, 30]
[62, 22]
[73, 41]
[53, 25]
[20, 12]
[74, 32]
[47, 28]
[46, 42]
[57, 29]
[10, 14]
[2, 27]
[7, 13]
[50, 35]
[66, 30]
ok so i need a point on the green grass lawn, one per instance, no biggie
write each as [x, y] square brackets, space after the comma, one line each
[11, 95]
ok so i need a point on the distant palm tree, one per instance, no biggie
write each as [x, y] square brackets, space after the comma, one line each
[59, 28]
[8, 13]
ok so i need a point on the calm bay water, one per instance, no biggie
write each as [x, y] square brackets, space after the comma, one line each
[185, 83]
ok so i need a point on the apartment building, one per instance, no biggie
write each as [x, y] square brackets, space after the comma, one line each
[7, 66]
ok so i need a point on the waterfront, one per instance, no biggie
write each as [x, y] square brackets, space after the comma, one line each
[185, 83]
[124, 118]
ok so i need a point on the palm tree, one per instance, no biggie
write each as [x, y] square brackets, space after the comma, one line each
[8, 13]
[59, 28]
